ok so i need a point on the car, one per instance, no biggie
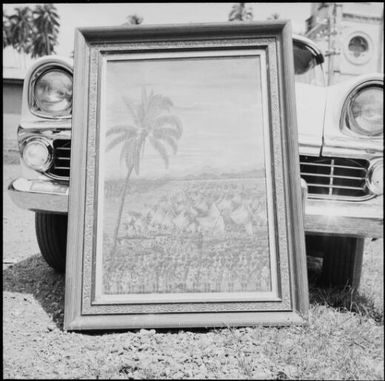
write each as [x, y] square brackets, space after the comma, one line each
[340, 130]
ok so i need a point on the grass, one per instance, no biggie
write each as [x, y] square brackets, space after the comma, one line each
[337, 343]
[347, 300]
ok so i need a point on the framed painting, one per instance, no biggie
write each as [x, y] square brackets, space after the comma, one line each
[185, 199]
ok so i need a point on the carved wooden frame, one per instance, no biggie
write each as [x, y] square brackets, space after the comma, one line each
[92, 45]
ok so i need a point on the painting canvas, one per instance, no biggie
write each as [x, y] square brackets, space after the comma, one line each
[184, 177]
[180, 209]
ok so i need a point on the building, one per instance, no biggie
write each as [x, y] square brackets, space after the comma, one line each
[351, 37]
[14, 69]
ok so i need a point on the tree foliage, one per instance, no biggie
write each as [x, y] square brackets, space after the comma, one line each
[6, 35]
[133, 20]
[46, 30]
[274, 16]
[241, 12]
[20, 29]
[32, 31]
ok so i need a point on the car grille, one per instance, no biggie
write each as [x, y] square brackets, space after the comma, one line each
[334, 177]
[61, 163]
[331, 178]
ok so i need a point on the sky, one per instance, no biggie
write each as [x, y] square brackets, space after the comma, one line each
[218, 101]
[105, 14]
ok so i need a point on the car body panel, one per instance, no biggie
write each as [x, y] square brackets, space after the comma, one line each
[311, 101]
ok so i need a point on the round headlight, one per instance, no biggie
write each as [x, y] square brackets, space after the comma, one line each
[53, 93]
[376, 177]
[37, 154]
[365, 114]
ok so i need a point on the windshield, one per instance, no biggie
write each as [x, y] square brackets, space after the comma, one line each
[307, 69]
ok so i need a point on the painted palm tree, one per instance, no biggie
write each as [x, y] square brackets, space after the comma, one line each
[151, 122]
[46, 30]
[241, 12]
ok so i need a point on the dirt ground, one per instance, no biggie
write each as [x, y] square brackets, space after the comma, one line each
[36, 346]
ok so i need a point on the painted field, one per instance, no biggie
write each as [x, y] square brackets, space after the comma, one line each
[188, 236]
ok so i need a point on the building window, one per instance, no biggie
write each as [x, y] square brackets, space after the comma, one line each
[358, 46]
[358, 49]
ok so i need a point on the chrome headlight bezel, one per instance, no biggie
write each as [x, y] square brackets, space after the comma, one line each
[32, 102]
[47, 144]
[350, 127]
[378, 165]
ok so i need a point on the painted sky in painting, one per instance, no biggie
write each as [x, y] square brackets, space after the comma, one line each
[218, 101]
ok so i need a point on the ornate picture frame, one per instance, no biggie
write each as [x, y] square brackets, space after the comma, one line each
[185, 200]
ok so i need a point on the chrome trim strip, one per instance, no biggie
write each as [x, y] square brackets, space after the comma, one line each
[335, 176]
[330, 187]
[50, 132]
[358, 152]
[338, 198]
[330, 165]
[42, 125]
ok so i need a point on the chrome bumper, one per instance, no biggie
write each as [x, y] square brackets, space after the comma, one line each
[362, 219]
[39, 195]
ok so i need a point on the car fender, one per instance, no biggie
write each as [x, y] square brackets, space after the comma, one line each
[311, 101]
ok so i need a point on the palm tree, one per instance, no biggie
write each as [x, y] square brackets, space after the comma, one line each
[151, 123]
[133, 20]
[46, 30]
[274, 16]
[240, 12]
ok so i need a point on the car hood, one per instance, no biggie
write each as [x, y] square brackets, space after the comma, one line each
[311, 102]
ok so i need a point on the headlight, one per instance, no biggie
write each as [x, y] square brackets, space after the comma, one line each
[52, 93]
[365, 111]
[376, 177]
[37, 154]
